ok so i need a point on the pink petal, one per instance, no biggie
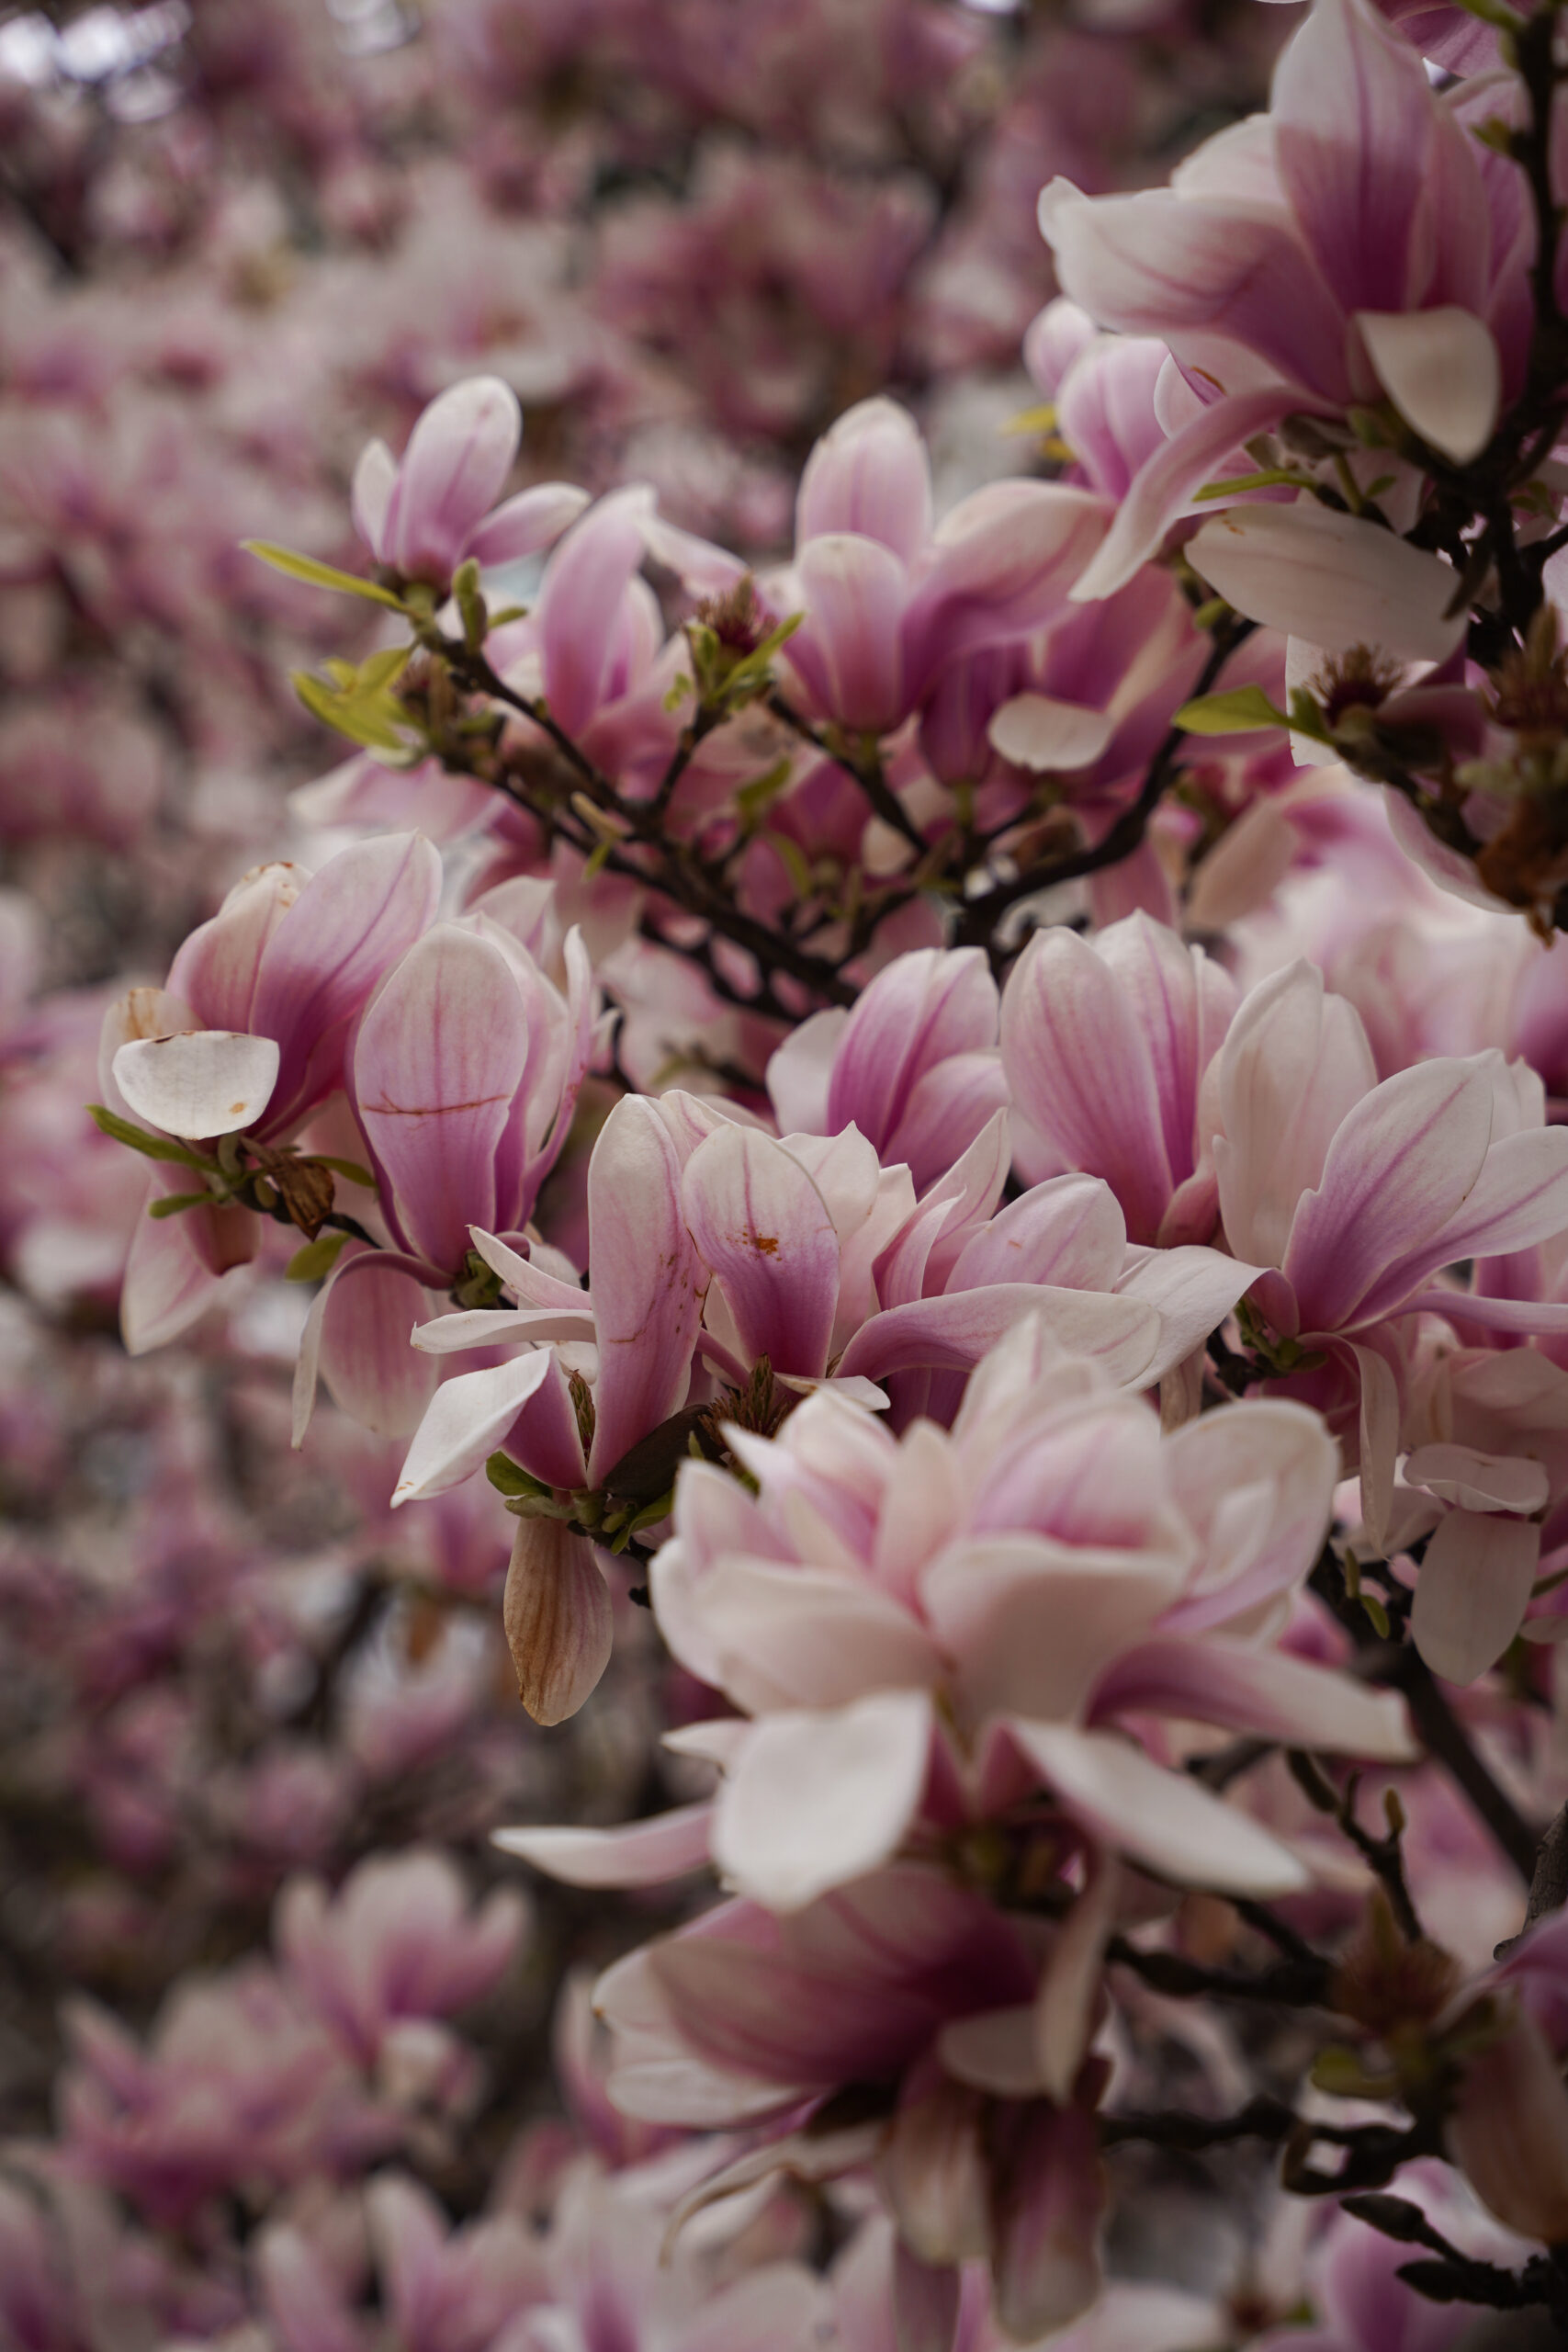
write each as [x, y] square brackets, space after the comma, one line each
[371, 1370]
[815, 1799]
[648, 1280]
[847, 654]
[1192, 1289]
[763, 1228]
[1442, 371]
[177, 1267]
[1164, 487]
[1400, 1164]
[1006, 558]
[458, 457]
[521, 525]
[438, 1059]
[869, 475]
[1244, 1688]
[1519, 1198]
[1162, 1820]
[218, 969]
[1033, 1622]
[1046, 2267]
[645, 1853]
[1068, 1231]
[346, 928]
[371, 494]
[952, 1334]
[1474, 1587]
[1332, 579]
[580, 605]
[1282, 1458]
[1295, 1063]
[787, 1638]
[1183, 266]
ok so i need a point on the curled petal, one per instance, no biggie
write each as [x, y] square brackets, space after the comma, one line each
[1475, 1586]
[199, 1083]
[645, 1853]
[1442, 371]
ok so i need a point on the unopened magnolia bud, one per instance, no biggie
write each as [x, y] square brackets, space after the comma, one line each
[1508, 2132]
[558, 1618]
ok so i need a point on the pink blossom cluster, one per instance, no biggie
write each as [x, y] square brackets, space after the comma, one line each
[896, 1136]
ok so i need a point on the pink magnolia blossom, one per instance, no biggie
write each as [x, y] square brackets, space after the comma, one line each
[1106, 1041]
[1354, 1195]
[463, 1077]
[887, 601]
[250, 1035]
[436, 508]
[926, 1632]
[891, 1983]
[395, 1943]
[1355, 242]
[914, 1066]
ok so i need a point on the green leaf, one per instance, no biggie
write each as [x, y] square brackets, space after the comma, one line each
[316, 1258]
[1235, 713]
[322, 575]
[138, 1139]
[174, 1204]
[360, 702]
[507, 1478]
[348, 1169]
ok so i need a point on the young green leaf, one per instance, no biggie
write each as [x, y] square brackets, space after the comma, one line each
[138, 1139]
[322, 575]
[315, 1260]
[174, 1204]
[1235, 713]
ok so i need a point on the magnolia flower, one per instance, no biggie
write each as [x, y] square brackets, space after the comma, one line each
[1354, 1195]
[463, 1077]
[436, 509]
[914, 1066]
[1356, 243]
[249, 1035]
[926, 1632]
[1105, 1043]
[886, 601]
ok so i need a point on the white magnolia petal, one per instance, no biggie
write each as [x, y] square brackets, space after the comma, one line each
[1475, 1588]
[1164, 1821]
[1442, 371]
[202, 1082]
[1037, 731]
[1482, 1482]
[815, 1799]
[465, 1421]
[643, 1853]
[1314, 572]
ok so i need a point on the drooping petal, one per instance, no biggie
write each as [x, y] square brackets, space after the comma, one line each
[815, 1799]
[1474, 1587]
[177, 1267]
[371, 494]
[558, 1619]
[1162, 1820]
[1332, 579]
[580, 614]
[1039, 732]
[1164, 487]
[1046, 2267]
[201, 1083]
[764, 1229]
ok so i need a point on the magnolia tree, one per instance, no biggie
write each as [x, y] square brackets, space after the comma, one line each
[958, 1136]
